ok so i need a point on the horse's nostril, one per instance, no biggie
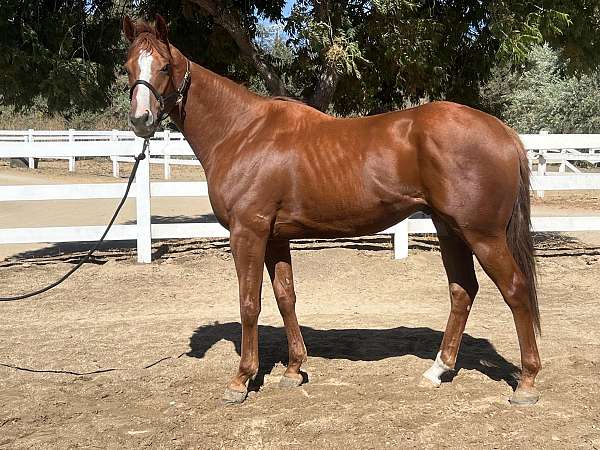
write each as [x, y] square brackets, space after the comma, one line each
[146, 119]
[142, 124]
[149, 118]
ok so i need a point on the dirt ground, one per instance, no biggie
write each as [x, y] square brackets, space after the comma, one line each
[126, 356]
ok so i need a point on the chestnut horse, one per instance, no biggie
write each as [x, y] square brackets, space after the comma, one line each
[280, 170]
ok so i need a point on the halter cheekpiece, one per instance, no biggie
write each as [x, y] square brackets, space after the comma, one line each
[167, 102]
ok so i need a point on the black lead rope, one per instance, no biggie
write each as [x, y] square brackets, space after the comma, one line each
[87, 257]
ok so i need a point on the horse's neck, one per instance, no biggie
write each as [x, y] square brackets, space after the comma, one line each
[214, 108]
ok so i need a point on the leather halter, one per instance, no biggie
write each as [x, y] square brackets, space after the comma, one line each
[167, 102]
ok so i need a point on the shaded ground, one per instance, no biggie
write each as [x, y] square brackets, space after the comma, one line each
[372, 325]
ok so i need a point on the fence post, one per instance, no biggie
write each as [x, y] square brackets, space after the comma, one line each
[115, 163]
[541, 170]
[30, 139]
[71, 158]
[401, 240]
[530, 158]
[563, 165]
[142, 201]
[167, 158]
[541, 165]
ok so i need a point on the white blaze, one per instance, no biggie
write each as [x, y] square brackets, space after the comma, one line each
[142, 93]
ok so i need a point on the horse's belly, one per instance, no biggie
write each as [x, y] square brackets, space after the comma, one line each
[320, 222]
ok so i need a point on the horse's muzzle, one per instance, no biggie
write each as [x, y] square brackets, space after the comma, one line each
[143, 125]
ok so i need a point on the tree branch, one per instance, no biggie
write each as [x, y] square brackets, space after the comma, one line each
[232, 24]
[326, 84]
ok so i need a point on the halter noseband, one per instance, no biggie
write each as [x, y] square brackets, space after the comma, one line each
[168, 102]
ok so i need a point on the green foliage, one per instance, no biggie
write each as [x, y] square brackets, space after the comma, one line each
[519, 27]
[544, 96]
[64, 55]
[270, 39]
[60, 51]
[579, 41]
[38, 116]
[392, 52]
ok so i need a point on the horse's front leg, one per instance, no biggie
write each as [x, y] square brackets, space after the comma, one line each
[248, 249]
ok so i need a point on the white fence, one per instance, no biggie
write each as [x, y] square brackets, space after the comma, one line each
[543, 149]
[144, 231]
[562, 150]
[179, 146]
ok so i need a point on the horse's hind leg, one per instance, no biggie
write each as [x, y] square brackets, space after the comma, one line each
[458, 262]
[498, 262]
[279, 265]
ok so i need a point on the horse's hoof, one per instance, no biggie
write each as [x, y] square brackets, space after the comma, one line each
[524, 397]
[429, 382]
[432, 377]
[233, 397]
[289, 382]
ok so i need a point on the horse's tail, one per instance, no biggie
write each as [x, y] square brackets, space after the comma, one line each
[520, 241]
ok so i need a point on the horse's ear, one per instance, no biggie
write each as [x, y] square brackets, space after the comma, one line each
[162, 32]
[128, 29]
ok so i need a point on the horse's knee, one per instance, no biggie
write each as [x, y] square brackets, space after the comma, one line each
[249, 310]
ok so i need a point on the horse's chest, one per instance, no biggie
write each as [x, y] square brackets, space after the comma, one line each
[219, 206]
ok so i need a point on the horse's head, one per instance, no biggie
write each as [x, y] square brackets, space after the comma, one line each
[150, 75]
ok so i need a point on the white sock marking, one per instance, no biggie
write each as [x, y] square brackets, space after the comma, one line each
[435, 372]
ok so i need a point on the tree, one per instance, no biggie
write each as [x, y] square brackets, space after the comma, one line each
[579, 41]
[383, 53]
[345, 56]
[63, 51]
[544, 96]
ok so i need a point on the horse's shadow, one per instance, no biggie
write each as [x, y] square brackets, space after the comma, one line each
[358, 345]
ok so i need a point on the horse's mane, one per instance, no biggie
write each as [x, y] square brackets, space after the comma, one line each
[288, 99]
[144, 27]
[146, 39]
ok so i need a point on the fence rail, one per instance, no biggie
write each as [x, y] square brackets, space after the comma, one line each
[124, 145]
[543, 149]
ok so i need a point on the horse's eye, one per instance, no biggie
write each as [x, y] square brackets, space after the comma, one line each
[165, 69]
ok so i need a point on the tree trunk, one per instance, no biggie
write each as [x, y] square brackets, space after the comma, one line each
[325, 85]
[325, 88]
[232, 24]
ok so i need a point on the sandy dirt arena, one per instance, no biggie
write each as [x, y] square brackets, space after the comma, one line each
[127, 356]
